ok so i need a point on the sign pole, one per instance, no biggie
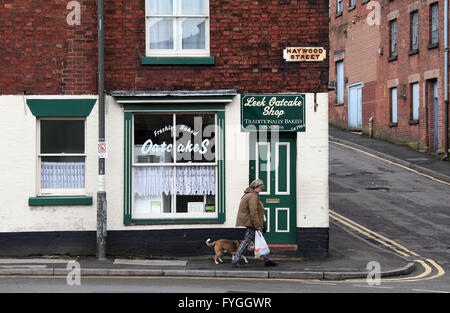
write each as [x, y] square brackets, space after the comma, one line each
[101, 192]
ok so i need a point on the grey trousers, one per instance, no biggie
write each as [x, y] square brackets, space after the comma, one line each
[248, 238]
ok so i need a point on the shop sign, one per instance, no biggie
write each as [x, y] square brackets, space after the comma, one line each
[282, 112]
[304, 54]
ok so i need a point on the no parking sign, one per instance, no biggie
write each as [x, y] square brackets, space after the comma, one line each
[102, 149]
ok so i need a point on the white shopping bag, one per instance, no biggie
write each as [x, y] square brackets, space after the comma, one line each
[261, 247]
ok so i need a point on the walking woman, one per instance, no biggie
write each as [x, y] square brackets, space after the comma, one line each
[251, 215]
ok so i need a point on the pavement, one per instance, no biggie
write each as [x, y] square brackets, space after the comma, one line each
[349, 253]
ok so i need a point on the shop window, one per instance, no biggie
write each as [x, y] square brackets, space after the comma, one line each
[174, 165]
[61, 156]
[177, 28]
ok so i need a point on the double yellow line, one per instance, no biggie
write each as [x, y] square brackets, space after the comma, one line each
[427, 264]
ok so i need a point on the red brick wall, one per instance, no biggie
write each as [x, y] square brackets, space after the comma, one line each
[247, 40]
[41, 53]
[379, 73]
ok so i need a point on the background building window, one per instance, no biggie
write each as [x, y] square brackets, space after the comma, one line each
[434, 23]
[177, 27]
[62, 156]
[339, 6]
[415, 102]
[393, 37]
[394, 119]
[174, 164]
[340, 81]
[415, 30]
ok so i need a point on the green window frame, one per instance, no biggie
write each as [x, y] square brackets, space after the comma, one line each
[144, 107]
[60, 108]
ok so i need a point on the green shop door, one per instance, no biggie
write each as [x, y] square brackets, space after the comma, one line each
[273, 160]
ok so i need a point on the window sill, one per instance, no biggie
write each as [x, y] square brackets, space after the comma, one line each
[338, 14]
[59, 200]
[413, 122]
[339, 104]
[178, 221]
[365, 1]
[393, 125]
[413, 51]
[392, 58]
[177, 60]
[351, 8]
[433, 45]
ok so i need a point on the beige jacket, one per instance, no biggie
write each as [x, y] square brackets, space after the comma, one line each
[251, 210]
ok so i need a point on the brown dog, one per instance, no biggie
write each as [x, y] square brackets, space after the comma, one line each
[224, 245]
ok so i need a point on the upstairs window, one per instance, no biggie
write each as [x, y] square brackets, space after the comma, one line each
[415, 30]
[177, 27]
[393, 36]
[434, 23]
[339, 7]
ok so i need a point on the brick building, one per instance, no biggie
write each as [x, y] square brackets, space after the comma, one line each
[388, 69]
[179, 78]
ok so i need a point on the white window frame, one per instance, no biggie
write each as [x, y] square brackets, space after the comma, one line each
[59, 191]
[173, 214]
[177, 51]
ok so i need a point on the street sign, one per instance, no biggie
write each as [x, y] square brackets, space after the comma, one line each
[304, 54]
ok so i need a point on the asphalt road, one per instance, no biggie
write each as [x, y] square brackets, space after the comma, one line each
[402, 205]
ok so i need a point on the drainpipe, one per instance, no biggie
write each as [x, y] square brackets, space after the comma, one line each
[446, 76]
[101, 193]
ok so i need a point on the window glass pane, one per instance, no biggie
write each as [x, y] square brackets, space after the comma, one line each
[193, 33]
[153, 189]
[195, 135]
[416, 99]
[195, 185]
[62, 136]
[340, 81]
[394, 38]
[161, 7]
[193, 7]
[394, 105]
[434, 23]
[62, 172]
[415, 31]
[153, 141]
[161, 33]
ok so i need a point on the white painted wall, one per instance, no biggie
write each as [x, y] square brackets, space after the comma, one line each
[312, 165]
[18, 161]
[18, 182]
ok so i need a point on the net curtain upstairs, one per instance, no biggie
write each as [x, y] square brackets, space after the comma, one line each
[190, 180]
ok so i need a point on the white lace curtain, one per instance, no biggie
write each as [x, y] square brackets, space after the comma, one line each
[62, 175]
[190, 180]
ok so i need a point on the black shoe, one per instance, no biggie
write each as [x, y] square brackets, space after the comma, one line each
[270, 263]
[236, 265]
